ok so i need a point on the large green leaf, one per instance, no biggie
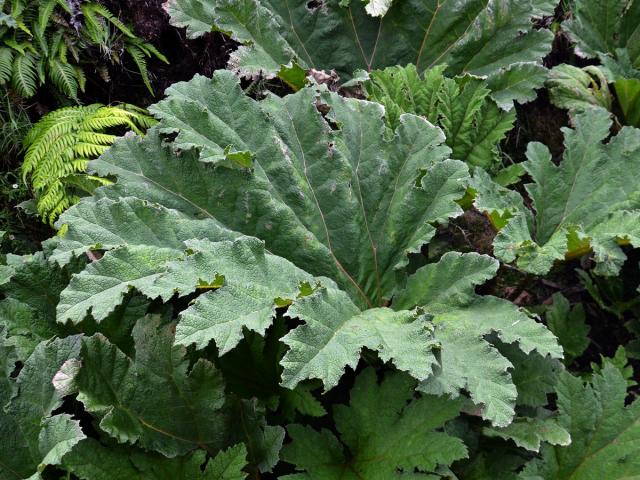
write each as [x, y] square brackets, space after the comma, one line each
[366, 202]
[184, 410]
[339, 204]
[92, 461]
[32, 438]
[386, 430]
[494, 37]
[473, 124]
[463, 320]
[588, 202]
[605, 434]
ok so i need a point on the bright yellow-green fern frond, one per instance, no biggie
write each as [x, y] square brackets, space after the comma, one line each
[62, 143]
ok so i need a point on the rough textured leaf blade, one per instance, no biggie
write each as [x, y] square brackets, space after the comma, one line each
[335, 332]
[183, 412]
[322, 210]
[475, 37]
[605, 433]
[31, 436]
[463, 319]
[385, 428]
[107, 224]
[600, 209]
[102, 286]
[529, 433]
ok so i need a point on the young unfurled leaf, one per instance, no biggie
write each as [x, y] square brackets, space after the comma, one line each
[473, 124]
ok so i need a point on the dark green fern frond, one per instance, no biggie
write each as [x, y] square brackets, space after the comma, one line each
[94, 17]
[61, 144]
[139, 58]
[42, 41]
[139, 52]
[64, 77]
[25, 74]
[6, 65]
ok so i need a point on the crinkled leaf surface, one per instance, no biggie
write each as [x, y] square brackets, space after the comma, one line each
[530, 433]
[588, 201]
[463, 319]
[107, 224]
[328, 213]
[338, 200]
[315, 216]
[605, 434]
[92, 461]
[31, 437]
[478, 36]
[383, 430]
[473, 124]
[154, 399]
[102, 286]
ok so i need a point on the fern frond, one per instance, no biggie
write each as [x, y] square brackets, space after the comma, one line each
[139, 58]
[60, 145]
[21, 47]
[150, 50]
[80, 77]
[44, 13]
[6, 65]
[95, 10]
[25, 74]
[63, 76]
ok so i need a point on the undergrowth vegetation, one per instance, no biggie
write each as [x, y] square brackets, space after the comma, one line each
[330, 262]
[51, 41]
[61, 144]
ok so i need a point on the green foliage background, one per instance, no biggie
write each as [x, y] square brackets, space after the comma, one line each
[354, 253]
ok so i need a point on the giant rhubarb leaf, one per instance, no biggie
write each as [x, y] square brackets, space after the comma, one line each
[32, 437]
[93, 461]
[462, 320]
[590, 201]
[337, 203]
[605, 434]
[492, 38]
[385, 429]
[185, 409]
